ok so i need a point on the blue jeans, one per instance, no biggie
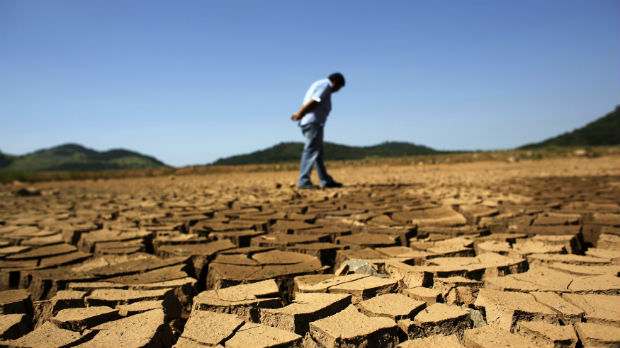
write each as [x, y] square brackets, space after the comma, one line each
[313, 154]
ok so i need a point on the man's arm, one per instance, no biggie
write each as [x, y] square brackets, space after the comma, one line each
[304, 110]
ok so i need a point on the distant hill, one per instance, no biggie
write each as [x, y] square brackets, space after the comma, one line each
[5, 159]
[74, 157]
[603, 131]
[291, 152]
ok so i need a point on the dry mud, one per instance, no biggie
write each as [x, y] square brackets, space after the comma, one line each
[483, 254]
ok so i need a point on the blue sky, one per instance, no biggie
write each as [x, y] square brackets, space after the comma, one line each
[192, 81]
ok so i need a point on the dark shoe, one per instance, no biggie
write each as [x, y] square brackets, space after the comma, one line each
[332, 184]
[308, 187]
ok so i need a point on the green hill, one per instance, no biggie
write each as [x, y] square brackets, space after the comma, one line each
[603, 131]
[5, 159]
[74, 157]
[291, 152]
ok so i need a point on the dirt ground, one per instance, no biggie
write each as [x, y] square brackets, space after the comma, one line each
[483, 254]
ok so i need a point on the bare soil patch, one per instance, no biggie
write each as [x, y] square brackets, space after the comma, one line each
[471, 254]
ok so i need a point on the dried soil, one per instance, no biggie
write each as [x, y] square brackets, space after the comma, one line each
[485, 254]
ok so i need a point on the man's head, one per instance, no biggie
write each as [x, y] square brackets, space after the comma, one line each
[337, 80]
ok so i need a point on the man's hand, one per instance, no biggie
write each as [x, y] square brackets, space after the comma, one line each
[296, 116]
[304, 110]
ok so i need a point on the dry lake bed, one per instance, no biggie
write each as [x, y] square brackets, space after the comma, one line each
[484, 254]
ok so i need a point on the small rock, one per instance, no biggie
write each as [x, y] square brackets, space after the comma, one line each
[358, 267]
[476, 317]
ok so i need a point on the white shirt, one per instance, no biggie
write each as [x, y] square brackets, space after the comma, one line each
[321, 92]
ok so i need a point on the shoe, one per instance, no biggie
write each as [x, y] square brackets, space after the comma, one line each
[332, 184]
[308, 187]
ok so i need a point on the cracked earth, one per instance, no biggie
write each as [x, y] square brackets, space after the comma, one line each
[486, 254]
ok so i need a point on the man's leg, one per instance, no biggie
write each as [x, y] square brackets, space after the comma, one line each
[309, 154]
[320, 165]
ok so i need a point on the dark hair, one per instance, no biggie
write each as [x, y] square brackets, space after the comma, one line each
[337, 79]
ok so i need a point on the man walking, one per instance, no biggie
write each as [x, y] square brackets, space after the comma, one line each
[312, 117]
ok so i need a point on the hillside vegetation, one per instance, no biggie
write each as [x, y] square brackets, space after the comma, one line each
[603, 131]
[291, 152]
[5, 159]
[73, 157]
[73, 161]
